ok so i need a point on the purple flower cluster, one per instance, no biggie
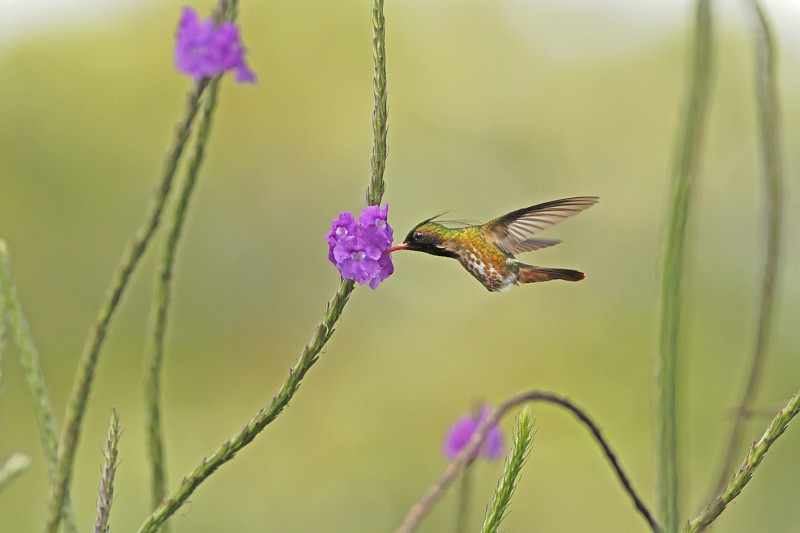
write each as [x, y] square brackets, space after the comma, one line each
[461, 432]
[359, 248]
[204, 49]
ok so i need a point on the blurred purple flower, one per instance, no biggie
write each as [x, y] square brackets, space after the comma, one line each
[461, 432]
[203, 49]
[359, 249]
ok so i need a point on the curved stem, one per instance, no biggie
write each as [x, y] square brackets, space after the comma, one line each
[769, 126]
[471, 450]
[745, 473]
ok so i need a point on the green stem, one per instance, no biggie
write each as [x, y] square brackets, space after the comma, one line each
[683, 176]
[772, 169]
[231, 447]
[464, 497]
[748, 468]
[162, 300]
[88, 362]
[323, 332]
[110, 455]
[521, 449]
[34, 376]
[380, 111]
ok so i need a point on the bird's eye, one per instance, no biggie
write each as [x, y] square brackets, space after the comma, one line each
[418, 234]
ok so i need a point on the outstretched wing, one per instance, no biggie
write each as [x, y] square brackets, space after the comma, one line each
[514, 232]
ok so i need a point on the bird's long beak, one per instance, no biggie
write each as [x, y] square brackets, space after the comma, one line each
[401, 246]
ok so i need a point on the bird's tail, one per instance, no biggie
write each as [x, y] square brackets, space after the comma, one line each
[533, 274]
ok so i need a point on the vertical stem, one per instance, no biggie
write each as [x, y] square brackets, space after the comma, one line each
[84, 377]
[17, 463]
[380, 112]
[162, 300]
[520, 450]
[772, 169]
[106, 497]
[34, 376]
[464, 497]
[333, 311]
[683, 175]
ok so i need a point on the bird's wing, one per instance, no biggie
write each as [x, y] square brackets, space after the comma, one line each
[514, 232]
[534, 244]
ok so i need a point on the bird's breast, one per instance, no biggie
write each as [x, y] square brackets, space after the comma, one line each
[488, 266]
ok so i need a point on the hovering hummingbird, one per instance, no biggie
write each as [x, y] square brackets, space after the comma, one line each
[487, 250]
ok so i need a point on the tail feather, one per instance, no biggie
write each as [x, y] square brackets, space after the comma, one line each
[532, 274]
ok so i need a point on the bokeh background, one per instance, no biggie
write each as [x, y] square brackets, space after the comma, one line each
[493, 106]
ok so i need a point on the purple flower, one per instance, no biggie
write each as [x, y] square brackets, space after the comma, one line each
[344, 225]
[359, 250]
[203, 49]
[461, 432]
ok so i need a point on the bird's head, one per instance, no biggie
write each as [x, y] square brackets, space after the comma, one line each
[428, 237]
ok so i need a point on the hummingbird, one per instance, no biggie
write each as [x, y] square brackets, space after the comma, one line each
[487, 250]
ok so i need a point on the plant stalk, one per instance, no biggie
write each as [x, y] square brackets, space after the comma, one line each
[684, 174]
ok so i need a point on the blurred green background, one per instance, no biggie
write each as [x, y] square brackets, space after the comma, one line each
[493, 106]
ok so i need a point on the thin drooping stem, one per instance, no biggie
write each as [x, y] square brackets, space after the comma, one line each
[232, 446]
[470, 451]
[748, 468]
[155, 438]
[380, 111]
[772, 170]
[110, 454]
[84, 377]
[520, 450]
[322, 334]
[684, 173]
[34, 376]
